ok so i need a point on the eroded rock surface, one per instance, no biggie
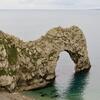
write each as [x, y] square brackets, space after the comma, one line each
[30, 65]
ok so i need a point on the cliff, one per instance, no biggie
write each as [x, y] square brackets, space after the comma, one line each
[30, 65]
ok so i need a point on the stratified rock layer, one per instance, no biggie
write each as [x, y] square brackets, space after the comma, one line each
[30, 65]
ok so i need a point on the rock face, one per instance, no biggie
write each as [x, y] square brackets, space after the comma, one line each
[30, 65]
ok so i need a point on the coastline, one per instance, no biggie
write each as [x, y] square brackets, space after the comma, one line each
[14, 96]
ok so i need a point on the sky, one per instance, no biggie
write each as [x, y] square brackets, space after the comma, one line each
[49, 4]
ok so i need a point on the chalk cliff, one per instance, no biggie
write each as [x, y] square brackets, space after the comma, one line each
[30, 65]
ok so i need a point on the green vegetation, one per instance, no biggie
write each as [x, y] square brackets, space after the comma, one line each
[11, 51]
[12, 54]
[7, 71]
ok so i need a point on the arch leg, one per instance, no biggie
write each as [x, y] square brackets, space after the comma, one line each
[82, 62]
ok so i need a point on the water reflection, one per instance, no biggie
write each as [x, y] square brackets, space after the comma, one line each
[76, 87]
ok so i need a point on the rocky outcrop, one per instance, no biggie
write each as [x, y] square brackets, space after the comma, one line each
[30, 65]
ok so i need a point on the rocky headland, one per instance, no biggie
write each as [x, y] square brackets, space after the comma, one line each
[31, 65]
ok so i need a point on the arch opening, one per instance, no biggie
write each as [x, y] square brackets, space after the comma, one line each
[65, 66]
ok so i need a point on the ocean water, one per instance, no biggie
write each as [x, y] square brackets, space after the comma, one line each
[31, 24]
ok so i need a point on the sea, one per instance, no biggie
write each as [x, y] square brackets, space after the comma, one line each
[31, 24]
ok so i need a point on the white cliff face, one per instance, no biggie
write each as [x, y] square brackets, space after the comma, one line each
[30, 65]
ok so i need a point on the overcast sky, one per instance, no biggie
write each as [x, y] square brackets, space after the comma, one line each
[49, 4]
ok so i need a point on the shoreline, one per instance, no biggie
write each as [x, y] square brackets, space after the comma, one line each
[14, 96]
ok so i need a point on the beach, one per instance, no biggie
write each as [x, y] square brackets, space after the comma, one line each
[13, 96]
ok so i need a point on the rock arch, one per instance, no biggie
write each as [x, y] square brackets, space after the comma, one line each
[30, 65]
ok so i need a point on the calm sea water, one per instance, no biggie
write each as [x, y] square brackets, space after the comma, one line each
[31, 24]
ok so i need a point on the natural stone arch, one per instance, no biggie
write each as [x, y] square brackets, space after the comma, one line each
[72, 41]
[29, 65]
